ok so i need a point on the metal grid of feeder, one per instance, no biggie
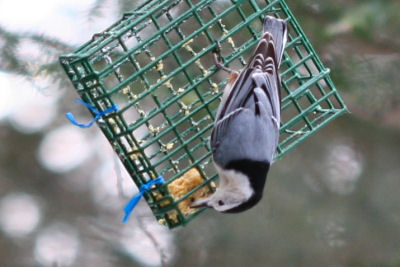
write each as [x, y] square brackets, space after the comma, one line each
[156, 65]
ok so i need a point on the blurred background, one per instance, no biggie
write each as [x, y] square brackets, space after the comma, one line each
[332, 201]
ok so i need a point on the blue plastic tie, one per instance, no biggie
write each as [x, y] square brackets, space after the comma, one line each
[135, 199]
[98, 113]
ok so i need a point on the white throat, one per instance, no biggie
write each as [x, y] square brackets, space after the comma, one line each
[234, 183]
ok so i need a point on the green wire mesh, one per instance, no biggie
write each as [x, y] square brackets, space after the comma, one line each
[156, 65]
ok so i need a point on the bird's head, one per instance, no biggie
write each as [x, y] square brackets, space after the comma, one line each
[236, 191]
[222, 201]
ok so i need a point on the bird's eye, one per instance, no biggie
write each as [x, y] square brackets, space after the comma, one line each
[220, 203]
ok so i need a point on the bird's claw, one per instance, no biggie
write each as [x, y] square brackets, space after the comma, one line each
[218, 60]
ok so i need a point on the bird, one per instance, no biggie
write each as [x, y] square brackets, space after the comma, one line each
[245, 133]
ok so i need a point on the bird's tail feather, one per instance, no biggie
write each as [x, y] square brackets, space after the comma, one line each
[270, 48]
[278, 30]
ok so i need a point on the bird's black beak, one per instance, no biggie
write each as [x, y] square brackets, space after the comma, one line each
[199, 204]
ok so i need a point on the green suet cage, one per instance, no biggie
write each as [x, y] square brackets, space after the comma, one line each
[156, 64]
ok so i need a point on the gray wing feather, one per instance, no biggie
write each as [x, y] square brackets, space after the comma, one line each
[271, 88]
[244, 135]
[248, 118]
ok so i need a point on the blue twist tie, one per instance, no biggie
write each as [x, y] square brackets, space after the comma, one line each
[99, 114]
[135, 199]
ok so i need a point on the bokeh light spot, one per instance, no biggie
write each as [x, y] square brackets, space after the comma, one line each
[106, 189]
[34, 115]
[64, 148]
[140, 246]
[343, 169]
[57, 245]
[19, 214]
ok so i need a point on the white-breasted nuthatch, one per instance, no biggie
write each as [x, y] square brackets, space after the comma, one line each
[246, 129]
